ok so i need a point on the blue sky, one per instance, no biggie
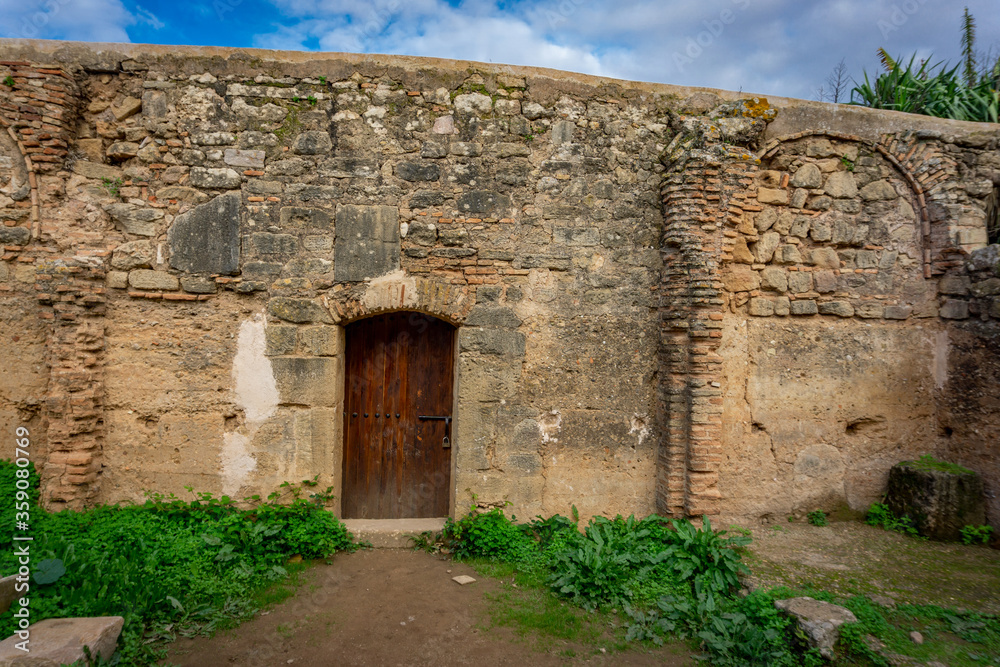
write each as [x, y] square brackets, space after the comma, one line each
[773, 47]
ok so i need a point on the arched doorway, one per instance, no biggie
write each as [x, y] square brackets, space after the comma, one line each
[398, 400]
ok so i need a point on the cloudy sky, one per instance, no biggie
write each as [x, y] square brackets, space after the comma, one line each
[775, 47]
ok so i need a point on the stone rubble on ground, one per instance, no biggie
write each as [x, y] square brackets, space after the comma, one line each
[820, 621]
[60, 641]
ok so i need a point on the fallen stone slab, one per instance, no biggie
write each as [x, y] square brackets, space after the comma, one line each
[463, 579]
[60, 641]
[820, 621]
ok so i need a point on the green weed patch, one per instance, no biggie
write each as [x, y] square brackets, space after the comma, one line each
[169, 567]
[657, 580]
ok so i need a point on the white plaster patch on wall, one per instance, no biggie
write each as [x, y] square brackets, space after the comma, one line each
[237, 462]
[941, 348]
[549, 425]
[253, 377]
[640, 425]
[256, 394]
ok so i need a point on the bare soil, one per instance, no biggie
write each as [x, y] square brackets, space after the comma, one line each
[399, 607]
[392, 607]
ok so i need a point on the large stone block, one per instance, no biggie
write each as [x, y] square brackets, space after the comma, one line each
[280, 339]
[297, 217]
[417, 171]
[60, 641]
[265, 243]
[841, 185]
[224, 179]
[198, 285]
[803, 307]
[181, 193]
[772, 196]
[492, 316]
[133, 255]
[157, 280]
[14, 235]
[314, 142]
[492, 341]
[299, 311]
[774, 279]
[95, 170]
[251, 159]
[321, 341]
[838, 308]
[154, 104]
[807, 176]
[427, 199]
[740, 278]
[799, 281]
[939, 497]
[473, 103]
[764, 248]
[495, 378]
[367, 242]
[206, 239]
[313, 381]
[819, 621]
[135, 220]
[482, 202]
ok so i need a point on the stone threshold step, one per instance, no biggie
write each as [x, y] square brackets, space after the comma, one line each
[391, 533]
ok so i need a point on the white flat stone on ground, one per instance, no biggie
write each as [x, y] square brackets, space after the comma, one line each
[60, 641]
[463, 579]
[819, 620]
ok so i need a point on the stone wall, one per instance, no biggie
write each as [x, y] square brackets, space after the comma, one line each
[668, 299]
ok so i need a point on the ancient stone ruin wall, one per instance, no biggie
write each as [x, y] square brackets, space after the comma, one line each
[850, 278]
[665, 301]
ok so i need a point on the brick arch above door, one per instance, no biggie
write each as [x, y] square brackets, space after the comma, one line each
[400, 291]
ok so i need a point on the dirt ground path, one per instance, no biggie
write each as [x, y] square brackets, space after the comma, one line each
[389, 607]
[400, 607]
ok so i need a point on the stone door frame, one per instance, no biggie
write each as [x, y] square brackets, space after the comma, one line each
[398, 292]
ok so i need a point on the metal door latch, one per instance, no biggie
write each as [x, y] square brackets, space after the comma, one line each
[446, 443]
[447, 420]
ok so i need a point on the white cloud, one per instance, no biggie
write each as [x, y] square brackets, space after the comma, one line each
[775, 47]
[87, 20]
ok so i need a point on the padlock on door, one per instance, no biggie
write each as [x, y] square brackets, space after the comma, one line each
[446, 443]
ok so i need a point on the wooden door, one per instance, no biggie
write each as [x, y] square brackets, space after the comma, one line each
[397, 417]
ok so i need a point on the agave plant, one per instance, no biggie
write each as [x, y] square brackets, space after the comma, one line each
[931, 90]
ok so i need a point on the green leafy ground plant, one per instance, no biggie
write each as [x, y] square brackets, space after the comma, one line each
[880, 515]
[817, 518]
[657, 580]
[976, 534]
[169, 567]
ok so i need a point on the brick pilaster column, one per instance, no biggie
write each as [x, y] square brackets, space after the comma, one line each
[700, 199]
[71, 296]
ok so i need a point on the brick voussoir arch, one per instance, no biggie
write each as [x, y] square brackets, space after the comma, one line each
[899, 151]
[399, 291]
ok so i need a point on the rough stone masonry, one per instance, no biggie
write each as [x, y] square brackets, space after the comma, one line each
[667, 299]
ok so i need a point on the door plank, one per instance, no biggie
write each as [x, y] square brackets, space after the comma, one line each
[396, 467]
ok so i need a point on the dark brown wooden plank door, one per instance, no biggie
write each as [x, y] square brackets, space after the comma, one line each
[399, 368]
